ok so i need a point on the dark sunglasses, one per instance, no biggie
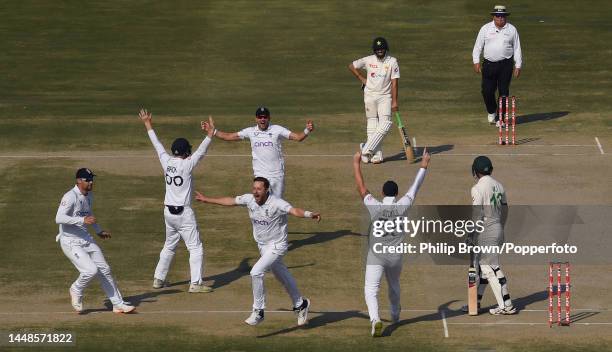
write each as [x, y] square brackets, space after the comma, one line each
[499, 15]
[263, 117]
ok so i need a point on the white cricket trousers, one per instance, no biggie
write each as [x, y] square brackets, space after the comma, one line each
[378, 114]
[373, 277]
[272, 259]
[181, 226]
[87, 257]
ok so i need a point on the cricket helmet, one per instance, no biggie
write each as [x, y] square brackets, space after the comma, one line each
[181, 147]
[482, 165]
[380, 43]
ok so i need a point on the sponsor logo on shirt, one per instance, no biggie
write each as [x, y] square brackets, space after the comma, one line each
[373, 66]
[261, 222]
[82, 213]
[263, 144]
[264, 133]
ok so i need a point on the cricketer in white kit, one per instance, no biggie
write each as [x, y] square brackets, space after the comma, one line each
[490, 205]
[268, 215]
[388, 264]
[178, 215]
[74, 215]
[380, 91]
[266, 147]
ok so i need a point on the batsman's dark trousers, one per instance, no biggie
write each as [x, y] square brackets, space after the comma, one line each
[496, 76]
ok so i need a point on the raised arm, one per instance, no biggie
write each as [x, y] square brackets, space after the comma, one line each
[302, 135]
[361, 188]
[409, 197]
[225, 201]
[147, 118]
[301, 213]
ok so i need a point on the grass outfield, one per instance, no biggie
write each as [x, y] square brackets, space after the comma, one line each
[77, 73]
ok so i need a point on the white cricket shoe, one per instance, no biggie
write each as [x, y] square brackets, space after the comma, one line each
[377, 327]
[365, 158]
[491, 118]
[500, 123]
[302, 312]
[123, 308]
[377, 158]
[256, 317]
[76, 301]
[199, 288]
[503, 311]
[157, 283]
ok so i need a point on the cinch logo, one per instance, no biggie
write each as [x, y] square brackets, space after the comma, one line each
[263, 144]
[261, 222]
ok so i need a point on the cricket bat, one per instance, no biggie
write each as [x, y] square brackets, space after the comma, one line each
[405, 139]
[472, 288]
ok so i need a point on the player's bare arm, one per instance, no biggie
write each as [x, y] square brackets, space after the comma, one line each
[302, 135]
[301, 213]
[225, 201]
[361, 188]
[208, 127]
[146, 118]
[394, 90]
[357, 74]
[425, 159]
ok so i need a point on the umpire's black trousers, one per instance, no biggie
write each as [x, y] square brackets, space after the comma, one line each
[496, 76]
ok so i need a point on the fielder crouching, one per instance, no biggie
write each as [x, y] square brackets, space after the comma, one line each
[490, 205]
[268, 215]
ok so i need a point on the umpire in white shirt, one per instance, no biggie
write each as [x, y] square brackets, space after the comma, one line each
[502, 56]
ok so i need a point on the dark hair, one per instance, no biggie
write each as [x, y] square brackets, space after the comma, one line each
[390, 189]
[264, 180]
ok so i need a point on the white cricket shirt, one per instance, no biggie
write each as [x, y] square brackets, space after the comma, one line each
[379, 73]
[71, 213]
[267, 149]
[269, 220]
[488, 197]
[499, 44]
[178, 171]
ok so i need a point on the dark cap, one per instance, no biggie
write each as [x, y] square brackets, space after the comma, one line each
[482, 165]
[85, 173]
[181, 147]
[500, 10]
[262, 111]
[380, 43]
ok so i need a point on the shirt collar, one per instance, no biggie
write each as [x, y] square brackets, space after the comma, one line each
[388, 200]
[499, 29]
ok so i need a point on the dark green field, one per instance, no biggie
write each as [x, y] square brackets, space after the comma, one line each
[76, 73]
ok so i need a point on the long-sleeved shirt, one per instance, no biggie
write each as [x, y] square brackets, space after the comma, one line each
[71, 213]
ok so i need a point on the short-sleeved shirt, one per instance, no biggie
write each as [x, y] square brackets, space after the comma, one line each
[267, 150]
[379, 73]
[269, 220]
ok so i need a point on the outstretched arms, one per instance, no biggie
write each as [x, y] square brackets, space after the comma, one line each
[225, 201]
[361, 188]
[302, 135]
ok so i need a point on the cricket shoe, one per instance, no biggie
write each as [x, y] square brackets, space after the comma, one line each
[466, 309]
[377, 158]
[491, 118]
[256, 317]
[503, 311]
[365, 158]
[157, 283]
[199, 288]
[500, 124]
[76, 301]
[123, 308]
[302, 312]
[377, 327]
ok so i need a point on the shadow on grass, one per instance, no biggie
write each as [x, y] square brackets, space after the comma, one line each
[324, 318]
[318, 237]
[136, 300]
[542, 116]
[418, 152]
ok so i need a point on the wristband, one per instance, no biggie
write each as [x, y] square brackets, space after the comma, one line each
[215, 132]
[306, 131]
[307, 214]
